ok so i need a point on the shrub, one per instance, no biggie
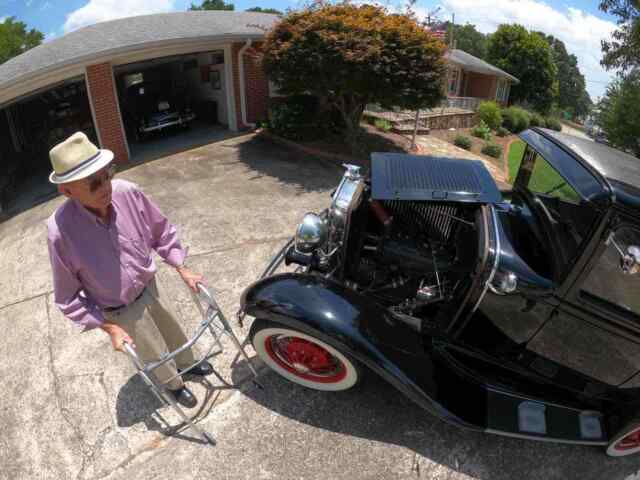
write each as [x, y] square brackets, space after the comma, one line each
[537, 120]
[502, 132]
[554, 124]
[489, 113]
[382, 124]
[294, 117]
[482, 131]
[515, 119]
[462, 142]
[492, 150]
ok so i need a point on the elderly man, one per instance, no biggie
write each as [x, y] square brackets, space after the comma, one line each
[100, 242]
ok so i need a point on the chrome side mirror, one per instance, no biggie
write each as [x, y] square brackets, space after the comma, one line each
[630, 262]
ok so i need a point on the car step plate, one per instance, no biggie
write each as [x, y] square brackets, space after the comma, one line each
[516, 416]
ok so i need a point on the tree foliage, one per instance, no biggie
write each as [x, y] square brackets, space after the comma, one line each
[572, 95]
[265, 10]
[213, 5]
[528, 57]
[618, 113]
[350, 55]
[468, 39]
[15, 39]
[623, 51]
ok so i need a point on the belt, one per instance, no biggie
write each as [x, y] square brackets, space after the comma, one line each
[113, 309]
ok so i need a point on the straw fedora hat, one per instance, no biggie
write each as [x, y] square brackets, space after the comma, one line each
[77, 158]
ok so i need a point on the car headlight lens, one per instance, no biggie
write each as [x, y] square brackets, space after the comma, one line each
[311, 233]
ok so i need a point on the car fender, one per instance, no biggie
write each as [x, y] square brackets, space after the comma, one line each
[356, 325]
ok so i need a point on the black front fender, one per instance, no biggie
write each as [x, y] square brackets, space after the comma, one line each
[356, 325]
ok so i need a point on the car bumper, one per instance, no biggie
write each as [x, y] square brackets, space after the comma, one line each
[183, 120]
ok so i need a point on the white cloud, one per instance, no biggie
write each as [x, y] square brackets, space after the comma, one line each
[46, 6]
[102, 10]
[2, 19]
[50, 36]
[580, 31]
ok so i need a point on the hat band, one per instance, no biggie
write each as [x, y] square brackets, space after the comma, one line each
[78, 167]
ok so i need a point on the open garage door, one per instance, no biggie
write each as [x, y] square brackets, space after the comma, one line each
[29, 128]
[171, 104]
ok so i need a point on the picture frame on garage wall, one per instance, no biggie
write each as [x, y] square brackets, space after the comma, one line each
[215, 79]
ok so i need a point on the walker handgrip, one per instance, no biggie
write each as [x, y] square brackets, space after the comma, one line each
[204, 292]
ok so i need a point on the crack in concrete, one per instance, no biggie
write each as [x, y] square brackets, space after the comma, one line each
[248, 243]
[65, 413]
[28, 299]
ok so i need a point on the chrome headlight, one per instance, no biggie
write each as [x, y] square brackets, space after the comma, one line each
[311, 234]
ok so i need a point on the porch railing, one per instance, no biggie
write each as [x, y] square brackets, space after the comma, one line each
[465, 103]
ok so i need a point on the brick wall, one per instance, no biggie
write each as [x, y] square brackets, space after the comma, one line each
[256, 84]
[105, 107]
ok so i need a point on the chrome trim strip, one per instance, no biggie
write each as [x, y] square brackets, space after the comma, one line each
[495, 262]
[544, 439]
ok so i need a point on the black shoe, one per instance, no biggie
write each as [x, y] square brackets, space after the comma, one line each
[203, 369]
[185, 397]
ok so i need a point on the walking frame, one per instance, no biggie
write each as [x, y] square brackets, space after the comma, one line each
[213, 321]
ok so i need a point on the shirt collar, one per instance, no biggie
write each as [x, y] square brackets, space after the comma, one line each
[92, 216]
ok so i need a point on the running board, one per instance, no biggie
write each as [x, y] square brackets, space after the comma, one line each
[521, 417]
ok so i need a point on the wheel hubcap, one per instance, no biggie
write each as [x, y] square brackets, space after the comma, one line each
[305, 359]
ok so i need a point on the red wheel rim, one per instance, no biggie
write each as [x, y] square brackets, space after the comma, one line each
[305, 359]
[629, 441]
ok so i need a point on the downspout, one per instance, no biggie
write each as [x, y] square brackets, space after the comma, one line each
[243, 89]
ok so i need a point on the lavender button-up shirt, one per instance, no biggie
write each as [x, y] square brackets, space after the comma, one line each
[97, 265]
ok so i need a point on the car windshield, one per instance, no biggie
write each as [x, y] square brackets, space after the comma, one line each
[568, 217]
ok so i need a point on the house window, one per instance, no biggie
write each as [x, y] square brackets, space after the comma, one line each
[502, 92]
[454, 79]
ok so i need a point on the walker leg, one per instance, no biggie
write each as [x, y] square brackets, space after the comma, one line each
[172, 401]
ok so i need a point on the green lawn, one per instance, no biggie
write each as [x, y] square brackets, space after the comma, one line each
[544, 178]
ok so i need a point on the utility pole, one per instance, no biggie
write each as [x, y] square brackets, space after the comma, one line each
[453, 31]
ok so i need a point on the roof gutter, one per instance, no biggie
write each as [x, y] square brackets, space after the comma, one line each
[243, 87]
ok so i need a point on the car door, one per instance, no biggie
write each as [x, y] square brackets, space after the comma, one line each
[596, 329]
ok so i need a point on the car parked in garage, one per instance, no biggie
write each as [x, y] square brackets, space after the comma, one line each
[152, 107]
[515, 313]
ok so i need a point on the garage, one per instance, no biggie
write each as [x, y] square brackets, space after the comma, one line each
[143, 87]
[29, 128]
[174, 103]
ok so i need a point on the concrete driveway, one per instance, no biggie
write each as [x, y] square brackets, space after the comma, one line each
[71, 407]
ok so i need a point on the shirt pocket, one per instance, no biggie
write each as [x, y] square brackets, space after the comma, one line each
[137, 249]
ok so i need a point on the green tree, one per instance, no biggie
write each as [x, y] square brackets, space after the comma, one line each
[623, 51]
[15, 39]
[213, 5]
[528, 57]
[572, 96]
[349, 55]
[618, 113]
[264, 10]
[468, 39]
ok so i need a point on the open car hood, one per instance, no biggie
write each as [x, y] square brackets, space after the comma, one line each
[398, 176]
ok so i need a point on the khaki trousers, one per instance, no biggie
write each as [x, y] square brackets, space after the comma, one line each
[152, 324]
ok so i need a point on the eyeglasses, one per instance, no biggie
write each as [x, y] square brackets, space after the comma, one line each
[96, 180]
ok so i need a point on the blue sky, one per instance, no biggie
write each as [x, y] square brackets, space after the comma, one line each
[578, 23]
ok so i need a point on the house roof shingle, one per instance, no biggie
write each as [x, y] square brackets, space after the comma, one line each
[474, 64]
[115, 36]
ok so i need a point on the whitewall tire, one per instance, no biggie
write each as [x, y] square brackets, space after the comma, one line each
[303, 358]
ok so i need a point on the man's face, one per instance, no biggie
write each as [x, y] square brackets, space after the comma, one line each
[92, 192]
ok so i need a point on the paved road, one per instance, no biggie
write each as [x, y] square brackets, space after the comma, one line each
[72, 409]
[575, 132]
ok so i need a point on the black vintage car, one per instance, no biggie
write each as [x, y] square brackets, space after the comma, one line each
[514, 312]
[151, 107]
